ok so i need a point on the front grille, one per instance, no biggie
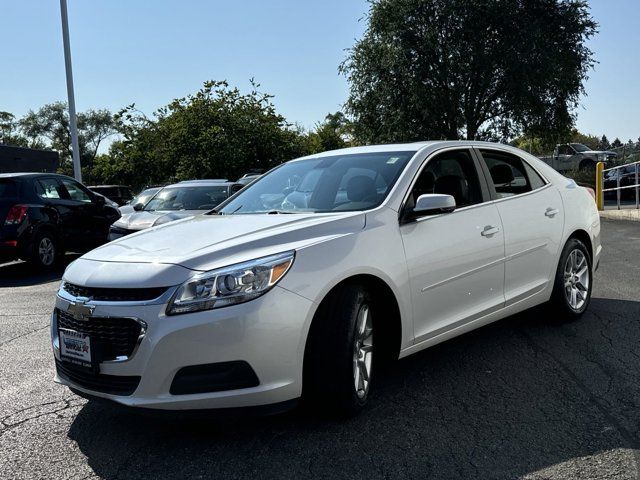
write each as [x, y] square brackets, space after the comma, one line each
[111, 384]
[110, 337]
[114, 294]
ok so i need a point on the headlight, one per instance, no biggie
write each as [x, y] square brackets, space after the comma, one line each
[230, 285]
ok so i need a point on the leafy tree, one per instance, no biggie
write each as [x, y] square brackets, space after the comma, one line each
[331, 134]
[216, 132]
[604, 143]
[468, 68]
[9, 133]
[616, 143]
[50, 126]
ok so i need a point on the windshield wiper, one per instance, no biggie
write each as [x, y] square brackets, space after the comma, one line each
[277, 212]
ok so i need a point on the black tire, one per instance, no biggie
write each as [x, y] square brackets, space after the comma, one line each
[561, 299]
[45, 251]
[329, 383]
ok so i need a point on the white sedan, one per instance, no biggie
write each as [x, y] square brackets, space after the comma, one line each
[298, 285]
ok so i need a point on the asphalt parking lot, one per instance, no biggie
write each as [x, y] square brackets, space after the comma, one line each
[528, 397]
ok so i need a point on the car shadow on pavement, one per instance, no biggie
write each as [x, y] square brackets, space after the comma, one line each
[23, 274]
[528, 396]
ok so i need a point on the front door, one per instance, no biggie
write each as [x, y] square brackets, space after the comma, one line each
[455, 260]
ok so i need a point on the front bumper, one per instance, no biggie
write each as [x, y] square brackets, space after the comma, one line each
[267, 333]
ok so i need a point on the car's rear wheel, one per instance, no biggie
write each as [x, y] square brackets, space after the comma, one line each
[44, 252]
[573, 282]
[339, 358]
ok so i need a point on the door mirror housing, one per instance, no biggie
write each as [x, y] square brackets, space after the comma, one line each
[138, 206]
[100, 201]
[431, 204]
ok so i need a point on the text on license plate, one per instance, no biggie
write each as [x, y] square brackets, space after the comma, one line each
[75, 345]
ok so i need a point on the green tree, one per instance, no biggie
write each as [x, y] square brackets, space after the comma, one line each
[9, 133]
[331, 134]
[604, 143]
[616, 143]
[468, 68]
[216, 132]
[49, 126]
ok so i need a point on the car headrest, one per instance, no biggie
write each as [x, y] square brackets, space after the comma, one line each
[501, 174]
[425, 183]
[361, 188]
[453, 185]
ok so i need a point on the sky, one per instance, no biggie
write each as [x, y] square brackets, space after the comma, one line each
[148, 53]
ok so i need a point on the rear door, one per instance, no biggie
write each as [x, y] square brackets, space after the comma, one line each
[88, 216]
[54, 196]
[532, 218]
[455, 260]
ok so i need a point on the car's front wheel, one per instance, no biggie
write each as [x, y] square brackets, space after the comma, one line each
[339, 358]
[573, 282]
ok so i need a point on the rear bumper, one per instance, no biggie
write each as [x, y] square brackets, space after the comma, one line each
[8, 252]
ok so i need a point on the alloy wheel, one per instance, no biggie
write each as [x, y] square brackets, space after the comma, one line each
[576, 279]
[363, 351]
[46, 251]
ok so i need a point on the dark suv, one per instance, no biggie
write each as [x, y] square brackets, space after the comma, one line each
[42, 215]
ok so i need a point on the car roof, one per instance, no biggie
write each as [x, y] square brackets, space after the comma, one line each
[407, 147]
[206, 180]
[31, 175]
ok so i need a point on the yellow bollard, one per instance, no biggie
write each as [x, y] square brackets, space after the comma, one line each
[599, 193]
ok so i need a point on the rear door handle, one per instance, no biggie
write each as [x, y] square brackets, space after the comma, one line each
[551, 212]
[489, 230]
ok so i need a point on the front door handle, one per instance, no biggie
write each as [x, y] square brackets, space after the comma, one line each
[489, 231]
[551, 212]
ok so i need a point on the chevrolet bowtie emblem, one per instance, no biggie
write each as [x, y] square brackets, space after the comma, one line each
[80, 310]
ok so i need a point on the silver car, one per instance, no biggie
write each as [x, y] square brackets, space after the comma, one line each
[174, 202]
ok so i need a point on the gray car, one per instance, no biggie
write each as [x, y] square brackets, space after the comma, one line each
[174, 202]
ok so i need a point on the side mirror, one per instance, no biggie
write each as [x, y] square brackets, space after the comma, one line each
[100, 201]
[431, 204]
[138, 206]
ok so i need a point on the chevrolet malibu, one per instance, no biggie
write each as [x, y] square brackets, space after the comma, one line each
[298, 286]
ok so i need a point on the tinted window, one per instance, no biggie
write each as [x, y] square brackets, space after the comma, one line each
[76, 192]
[450, 173]
[347, 182]
[565, 150]
[49, 188]
[507, 173]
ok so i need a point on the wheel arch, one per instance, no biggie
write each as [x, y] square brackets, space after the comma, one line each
[389, 330]
[584, 237]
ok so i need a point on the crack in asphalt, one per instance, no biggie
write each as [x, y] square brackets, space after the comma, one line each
[56, 407]
[630, 439]
[6, 342]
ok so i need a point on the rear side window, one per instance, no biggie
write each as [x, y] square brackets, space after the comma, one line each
[508, 173]
[8, 188]
[49, 188]
[534, 177]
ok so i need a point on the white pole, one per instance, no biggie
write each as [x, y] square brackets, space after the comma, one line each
[75, 148]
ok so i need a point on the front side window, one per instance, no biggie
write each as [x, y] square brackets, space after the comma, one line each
[578, 147]
[565, 150]
[350, 182]
[510, 175]
[76, 192]
[451, 173]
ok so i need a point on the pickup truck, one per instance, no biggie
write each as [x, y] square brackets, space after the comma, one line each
[576, 156]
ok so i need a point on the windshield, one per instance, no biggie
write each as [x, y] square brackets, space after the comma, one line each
[188, 198]
[144, 196]
[578, 147]
[327, 184]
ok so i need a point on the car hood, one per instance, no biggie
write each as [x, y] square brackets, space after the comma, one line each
[205, 242]
[598, 152]
[144, 219]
